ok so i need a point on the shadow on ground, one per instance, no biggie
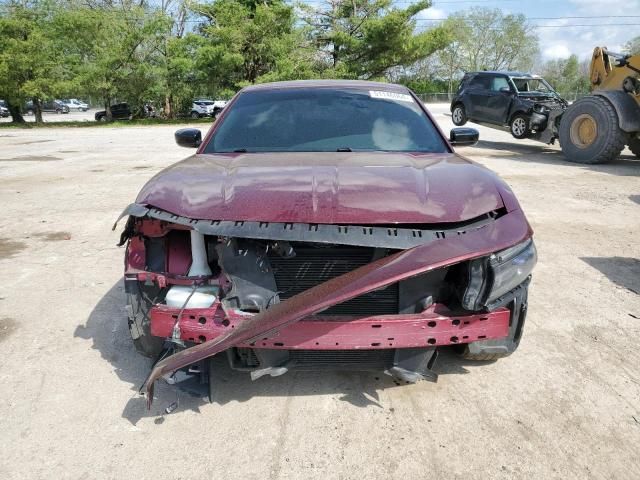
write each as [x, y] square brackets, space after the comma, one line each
[624, 165]
[622, 271]
[107, 328]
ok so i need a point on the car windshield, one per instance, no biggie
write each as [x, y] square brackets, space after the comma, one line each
[205, 102]
[529, 85]
[325, 120]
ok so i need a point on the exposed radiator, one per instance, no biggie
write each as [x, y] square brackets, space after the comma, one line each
[312, 266]
[337, 359]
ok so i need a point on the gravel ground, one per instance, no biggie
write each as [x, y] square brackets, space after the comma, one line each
[565, 405]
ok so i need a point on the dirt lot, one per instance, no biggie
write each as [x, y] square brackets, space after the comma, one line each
[565, 405]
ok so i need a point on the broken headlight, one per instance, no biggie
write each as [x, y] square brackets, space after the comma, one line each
[510, 267]
[542, 109]
[491, 277]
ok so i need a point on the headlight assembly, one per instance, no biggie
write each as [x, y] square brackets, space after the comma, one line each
[491, 277]
[540, 109]
[510, 267]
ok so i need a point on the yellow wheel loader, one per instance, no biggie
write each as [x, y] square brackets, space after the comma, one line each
[595, 128]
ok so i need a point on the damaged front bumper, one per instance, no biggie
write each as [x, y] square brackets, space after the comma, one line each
[294, 324]
[436, 326]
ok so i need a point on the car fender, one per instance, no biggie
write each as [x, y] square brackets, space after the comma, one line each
[626, 107]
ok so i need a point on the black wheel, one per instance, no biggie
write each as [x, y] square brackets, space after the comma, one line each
[195, 115]
[459, 115]
[58, 111]
[589, 131]
[138, 306]
[103, 118]
[634, 146]
[519, 126]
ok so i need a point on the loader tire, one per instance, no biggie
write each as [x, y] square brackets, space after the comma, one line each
[138, 307]
[634, 146]
[589, 131]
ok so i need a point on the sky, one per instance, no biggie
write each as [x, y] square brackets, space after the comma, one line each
[610, 24]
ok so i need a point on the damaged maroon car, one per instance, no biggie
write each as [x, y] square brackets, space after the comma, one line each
[324, 224]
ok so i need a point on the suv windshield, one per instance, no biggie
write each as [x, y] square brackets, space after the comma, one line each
[529, 85]
[325, 120]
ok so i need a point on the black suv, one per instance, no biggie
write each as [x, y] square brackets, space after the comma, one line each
[523, 102]
[119, 111]
[50, 106]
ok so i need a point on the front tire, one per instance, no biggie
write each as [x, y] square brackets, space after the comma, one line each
[139, 321]
[195, 115]
[459, 115]
[589, 131]
[519, 126]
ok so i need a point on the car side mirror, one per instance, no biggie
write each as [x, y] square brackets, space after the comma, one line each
[188, 137]
[463, 137]
[505, 90]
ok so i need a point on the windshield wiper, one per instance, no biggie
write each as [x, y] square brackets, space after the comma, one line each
[240, 150]
[344, 149]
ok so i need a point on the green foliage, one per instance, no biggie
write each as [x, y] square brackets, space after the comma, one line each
[567, 76]
[486, 39]
[366, 38]
[168, 53]
[30, 63]
[632, 47]
[244, 41]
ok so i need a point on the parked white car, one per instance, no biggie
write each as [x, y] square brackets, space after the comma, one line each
[75, 104]
[206, 108]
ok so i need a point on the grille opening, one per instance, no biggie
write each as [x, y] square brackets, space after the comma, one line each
[313, 265]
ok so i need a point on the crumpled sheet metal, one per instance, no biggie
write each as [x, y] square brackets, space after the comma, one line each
[504, 232]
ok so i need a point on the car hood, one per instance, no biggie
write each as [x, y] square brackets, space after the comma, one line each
[332, 188]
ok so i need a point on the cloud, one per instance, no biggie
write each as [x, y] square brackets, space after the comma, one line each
[559, 50]
[431, 14]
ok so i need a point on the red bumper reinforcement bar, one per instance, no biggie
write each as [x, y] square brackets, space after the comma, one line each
[433, 327]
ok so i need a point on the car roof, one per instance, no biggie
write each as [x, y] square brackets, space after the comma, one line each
[362, 84]
[507, 73]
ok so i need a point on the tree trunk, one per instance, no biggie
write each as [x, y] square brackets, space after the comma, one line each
[16, 114]
[168, 111]
[37, 109]
[107, 109]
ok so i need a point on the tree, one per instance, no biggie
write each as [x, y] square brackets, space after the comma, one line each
[32, 61]
[366, 38]
[243, 41]
[566, 76]
[632, 47]
[486, 39]
[119, 61]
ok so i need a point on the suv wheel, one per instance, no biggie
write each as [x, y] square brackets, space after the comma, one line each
[519, 126]
[103, 118]
[195, 114]
[458, 115]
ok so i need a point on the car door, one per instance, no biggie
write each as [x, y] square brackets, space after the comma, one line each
[477, 95]
[498, 100]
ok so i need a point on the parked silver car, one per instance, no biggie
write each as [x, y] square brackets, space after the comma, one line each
[206, 108]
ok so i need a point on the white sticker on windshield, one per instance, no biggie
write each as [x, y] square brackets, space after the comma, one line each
[400, 97]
